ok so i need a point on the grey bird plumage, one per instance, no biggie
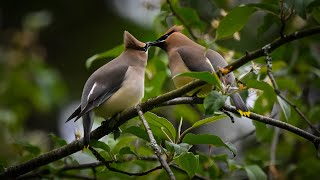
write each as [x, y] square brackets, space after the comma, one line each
[114, 87]
[185, 55]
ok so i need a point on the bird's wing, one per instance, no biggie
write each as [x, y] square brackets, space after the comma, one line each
[215, 59]
[195, 59]
[218, 61]
[100, 87]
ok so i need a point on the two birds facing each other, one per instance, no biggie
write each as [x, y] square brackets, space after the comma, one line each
[119, 84]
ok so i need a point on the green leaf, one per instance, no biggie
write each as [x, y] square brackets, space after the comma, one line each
[234, 21]
[285, 107]
[99, 144]
[188, 162]
[126, 150]
[190, 17]
[213, 102]
[272, 8]
[161, 123]
[137, 131]
[262, 86]
[208, 120]
[114, 52]
[208, 139]
[178, 148]
[57, 140]
[254, 172]
[211, 78]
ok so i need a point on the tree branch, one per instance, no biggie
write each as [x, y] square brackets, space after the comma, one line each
[274, 122]
[154, 145]
[106, 163]
[272, 46]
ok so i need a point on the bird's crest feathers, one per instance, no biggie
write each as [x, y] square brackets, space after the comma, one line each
[174, 28]
[130, 42]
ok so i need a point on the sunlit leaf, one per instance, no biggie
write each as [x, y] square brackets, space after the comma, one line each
[262, 86]
[100, 145]
[137, 131]
[254, 172]
[178, 148]
[126, 150]
[188, 162]
[234, 21]
[285, 107]
[208, 120]
[114, 52]
[161, 123]
[208, 77]
[213, 102]
[208, 139]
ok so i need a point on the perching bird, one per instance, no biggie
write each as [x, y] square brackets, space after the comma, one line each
[114, 87]
[185, 55]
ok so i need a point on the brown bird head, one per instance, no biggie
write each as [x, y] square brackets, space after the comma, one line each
[130, 42]
[172, 37]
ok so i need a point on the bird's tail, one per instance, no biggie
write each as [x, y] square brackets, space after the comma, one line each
[240, 105]
[87, 121]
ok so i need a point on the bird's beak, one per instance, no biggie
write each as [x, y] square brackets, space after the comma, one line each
[154, 43]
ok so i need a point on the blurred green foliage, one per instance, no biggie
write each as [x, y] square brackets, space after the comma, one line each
[29, 85]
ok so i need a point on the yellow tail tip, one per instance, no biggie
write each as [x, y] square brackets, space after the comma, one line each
[246, 113]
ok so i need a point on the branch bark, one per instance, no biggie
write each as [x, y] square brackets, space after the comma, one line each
[257, 117]
[154, 145]
[272, 46]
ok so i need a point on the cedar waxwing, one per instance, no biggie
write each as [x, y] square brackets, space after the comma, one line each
[186, 55]
[114, 87]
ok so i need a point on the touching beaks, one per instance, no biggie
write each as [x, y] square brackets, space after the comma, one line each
[154, 43]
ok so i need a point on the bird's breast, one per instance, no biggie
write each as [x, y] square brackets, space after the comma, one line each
[128, 95]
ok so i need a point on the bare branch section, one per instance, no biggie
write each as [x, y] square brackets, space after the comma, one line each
[154, 144]
[106, 163]
[274, 122]
[56, 154]
[274, 45]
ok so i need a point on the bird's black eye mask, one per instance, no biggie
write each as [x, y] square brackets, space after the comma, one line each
[159, 42]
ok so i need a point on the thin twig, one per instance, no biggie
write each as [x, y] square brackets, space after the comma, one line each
[154, 145]
[273, 45]
[194, 37]
[106, 163]
[271, 121]
[278, 92]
